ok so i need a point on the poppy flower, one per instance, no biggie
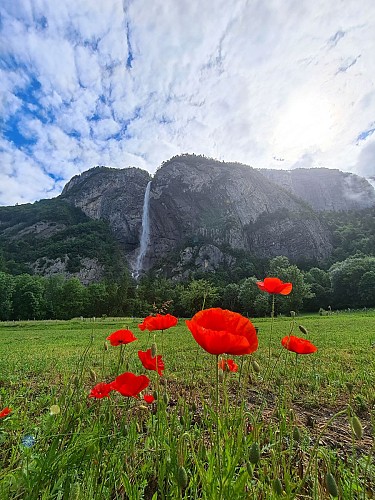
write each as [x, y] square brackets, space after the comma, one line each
[220, 331]
[298, 345]
[151, 362]
[100, 391]
[5, 412]
[158, 322]
[228, 365]
[149, 398]
[121, 337]
[130, 385]
[275, 285]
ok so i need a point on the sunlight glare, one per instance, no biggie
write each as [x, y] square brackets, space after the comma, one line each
[306, 123]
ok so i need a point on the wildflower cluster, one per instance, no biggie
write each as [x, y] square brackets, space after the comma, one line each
[129, 384]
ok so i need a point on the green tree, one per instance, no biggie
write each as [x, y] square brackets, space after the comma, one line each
[97, 300]
[321, 287]
[280, 267]
[73, 298]
[230, 297]
[28, 297]
[200, 294]
[367, 289]
[6, 296]
[52, 297]
[248, 294]
[348, 288]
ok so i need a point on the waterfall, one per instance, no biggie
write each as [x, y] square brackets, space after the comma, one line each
[145, 234]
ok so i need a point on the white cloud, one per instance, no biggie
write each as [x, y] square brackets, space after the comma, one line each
[237, 80]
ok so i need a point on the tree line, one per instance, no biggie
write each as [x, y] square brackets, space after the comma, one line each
[346, 284]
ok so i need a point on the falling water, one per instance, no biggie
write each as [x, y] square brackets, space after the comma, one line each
[145, 235]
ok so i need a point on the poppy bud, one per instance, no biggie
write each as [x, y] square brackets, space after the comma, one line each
[138, 427]
[166, 398]
[255, 366]
[75, 491]
[254, 453]
[331, 485]
[54, 410]
[92, 375]
[153, 350]
[221, 376]
[249, 469]
[182, 478]
[277, 486]
[296, 434]
[303, 329]
[357, 427]
[106, 346]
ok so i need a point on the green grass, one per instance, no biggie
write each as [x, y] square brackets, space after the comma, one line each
[122, 448]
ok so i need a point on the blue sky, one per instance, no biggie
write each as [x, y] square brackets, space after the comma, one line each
[273, 84]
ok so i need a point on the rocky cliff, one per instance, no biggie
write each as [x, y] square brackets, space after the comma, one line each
[325, 189]
[113, 195]
[201, 203]
[201, 212]
[230, 206]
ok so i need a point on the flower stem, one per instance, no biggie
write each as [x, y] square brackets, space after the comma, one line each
[218, 452]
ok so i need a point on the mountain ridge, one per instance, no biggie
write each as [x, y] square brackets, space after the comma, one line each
[202, 211]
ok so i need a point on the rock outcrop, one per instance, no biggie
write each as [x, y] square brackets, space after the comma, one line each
[195, 199]
[325, 189]
[114, 195]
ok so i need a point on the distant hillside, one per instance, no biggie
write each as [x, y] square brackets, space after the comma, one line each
[52, 237]
[325, 189]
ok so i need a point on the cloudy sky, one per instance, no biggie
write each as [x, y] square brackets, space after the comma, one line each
[270, 83]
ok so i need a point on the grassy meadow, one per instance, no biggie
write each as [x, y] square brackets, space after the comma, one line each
[278, 428]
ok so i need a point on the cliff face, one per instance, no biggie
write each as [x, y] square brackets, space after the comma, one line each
[201, 212]
[325, 189]
[113, 195]
[196, 202]
[230, 205]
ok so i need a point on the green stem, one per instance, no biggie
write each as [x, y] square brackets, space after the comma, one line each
[338, 414]
[218, 451]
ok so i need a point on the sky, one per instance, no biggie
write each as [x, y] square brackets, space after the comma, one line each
[269, 83]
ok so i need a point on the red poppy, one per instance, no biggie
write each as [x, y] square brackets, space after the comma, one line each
[121, 337]
[298, 345]
[149, 398]
[220, 331]
[158, 322]
[5, 412]
[151, 363]
[228, 365]
[100, 391]
[275, 285]
[130, 385]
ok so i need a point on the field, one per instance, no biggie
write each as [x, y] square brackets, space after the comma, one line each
[279, 428]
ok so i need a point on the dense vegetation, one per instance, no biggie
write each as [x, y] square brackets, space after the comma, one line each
[347, 280]
[347, 284]
[53, 229]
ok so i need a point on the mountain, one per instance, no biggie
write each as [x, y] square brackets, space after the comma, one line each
[203, 215]
[324, 188]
